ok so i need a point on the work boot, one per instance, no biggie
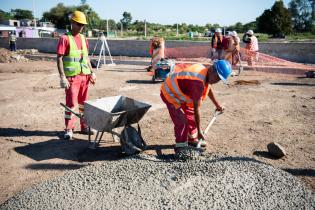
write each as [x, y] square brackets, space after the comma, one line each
[68, 134]
[194, 142]
[86, 131]
[188, 153]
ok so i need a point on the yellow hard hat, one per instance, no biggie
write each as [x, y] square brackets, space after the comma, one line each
[79, 17]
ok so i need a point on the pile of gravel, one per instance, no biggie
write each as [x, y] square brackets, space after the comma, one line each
[145, 182]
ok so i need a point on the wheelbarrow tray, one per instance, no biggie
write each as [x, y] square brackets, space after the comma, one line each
[106, 113]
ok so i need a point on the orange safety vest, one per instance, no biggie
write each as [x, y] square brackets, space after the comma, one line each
[170, 88]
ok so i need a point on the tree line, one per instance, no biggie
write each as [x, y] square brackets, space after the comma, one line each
[276, 21]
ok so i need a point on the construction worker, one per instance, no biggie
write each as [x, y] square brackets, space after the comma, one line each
[216, 45]
[75, 71]
[251, 47]
[157, 51]
[12, 41]
[233, 48]
[183, 91]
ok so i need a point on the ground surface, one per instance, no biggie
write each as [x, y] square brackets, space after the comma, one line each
[277, 108]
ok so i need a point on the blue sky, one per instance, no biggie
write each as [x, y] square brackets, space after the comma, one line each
[226, 12]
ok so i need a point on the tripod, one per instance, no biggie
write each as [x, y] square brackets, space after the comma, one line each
[104, 46]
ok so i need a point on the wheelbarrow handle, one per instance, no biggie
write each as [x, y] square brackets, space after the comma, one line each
[73, 112]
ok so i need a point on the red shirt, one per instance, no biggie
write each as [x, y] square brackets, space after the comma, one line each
[192, 88]
[63, 46]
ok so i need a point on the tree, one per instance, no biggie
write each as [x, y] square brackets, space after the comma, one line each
[60, 15]
[302, 12]
[276, 21]
[21, 14]
[126, 20]
[4, 15]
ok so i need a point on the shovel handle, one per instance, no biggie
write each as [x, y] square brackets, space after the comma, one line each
[216, 113]
[68, 109]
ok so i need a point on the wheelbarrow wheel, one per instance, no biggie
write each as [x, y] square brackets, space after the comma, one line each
[131, 141]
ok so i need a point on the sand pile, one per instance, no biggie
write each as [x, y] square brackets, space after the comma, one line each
[7, 56]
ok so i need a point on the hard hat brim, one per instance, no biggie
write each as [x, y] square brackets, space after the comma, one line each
[81, 22]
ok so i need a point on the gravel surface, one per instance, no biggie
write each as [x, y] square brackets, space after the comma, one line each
[147, 182]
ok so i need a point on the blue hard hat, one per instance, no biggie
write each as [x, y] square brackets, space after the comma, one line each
[223, 69]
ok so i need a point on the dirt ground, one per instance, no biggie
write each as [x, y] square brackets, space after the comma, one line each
[263, 108]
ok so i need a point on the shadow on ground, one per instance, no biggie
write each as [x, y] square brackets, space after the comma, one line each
[149, 81]
[292, 84]
[75, 150]
[265, 154]
[300, 172]
[52, 166]
[17, 132]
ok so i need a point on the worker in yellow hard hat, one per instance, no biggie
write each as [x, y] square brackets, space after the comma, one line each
[75, 71]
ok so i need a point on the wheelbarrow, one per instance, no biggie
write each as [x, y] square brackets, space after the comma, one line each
[108, 113]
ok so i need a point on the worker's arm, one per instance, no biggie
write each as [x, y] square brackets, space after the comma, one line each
[64, 83]
[93, 75]
[197, 119]
[60, 65]
[214, 100]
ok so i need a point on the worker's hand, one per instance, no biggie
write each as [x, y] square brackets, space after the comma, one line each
[220, 108]
[93, 78]
[201, 136]
[213, 50]
[64, 83]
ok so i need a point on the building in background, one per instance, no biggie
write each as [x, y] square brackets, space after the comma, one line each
[5, 30]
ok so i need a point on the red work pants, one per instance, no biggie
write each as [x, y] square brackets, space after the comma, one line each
[76, 94]
[184, 122]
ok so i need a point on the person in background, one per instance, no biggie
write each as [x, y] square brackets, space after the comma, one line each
[216, 45]
[183, 93]
[12, 41]
[75, 71]
[251, 47]
[233, 48]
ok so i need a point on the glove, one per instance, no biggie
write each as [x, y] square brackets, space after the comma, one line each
[93, 78]
[213, 50]
[64, 83]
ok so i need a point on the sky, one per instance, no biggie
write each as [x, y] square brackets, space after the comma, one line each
[201, 12]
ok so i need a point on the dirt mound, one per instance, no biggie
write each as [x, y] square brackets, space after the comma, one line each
[246, 82]
[7, 56]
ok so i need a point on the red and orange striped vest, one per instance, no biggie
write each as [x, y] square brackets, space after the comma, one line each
[170, 88]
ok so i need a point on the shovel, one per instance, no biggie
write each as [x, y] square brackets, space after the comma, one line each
[216, 113]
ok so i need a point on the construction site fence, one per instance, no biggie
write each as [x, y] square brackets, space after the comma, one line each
[301, 52]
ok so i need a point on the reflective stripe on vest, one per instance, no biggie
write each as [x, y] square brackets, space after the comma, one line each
[76, 61]
[171, 90]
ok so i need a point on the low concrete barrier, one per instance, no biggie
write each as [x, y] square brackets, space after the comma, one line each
[302, 52]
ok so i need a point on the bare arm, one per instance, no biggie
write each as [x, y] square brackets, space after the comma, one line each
[197, 118]
[214, 100]
[89, 64]
[60, 65]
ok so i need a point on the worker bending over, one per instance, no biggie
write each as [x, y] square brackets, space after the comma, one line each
[75, 71]
[233, 48]
[183, 91]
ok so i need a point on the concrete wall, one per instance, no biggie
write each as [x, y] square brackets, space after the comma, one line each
[297, 52]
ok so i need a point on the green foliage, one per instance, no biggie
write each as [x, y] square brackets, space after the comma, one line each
[307, 36]
[19, 14]
[276, 21]
[303, 15]
[4, 15]
[59, 15]
[126, 20]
